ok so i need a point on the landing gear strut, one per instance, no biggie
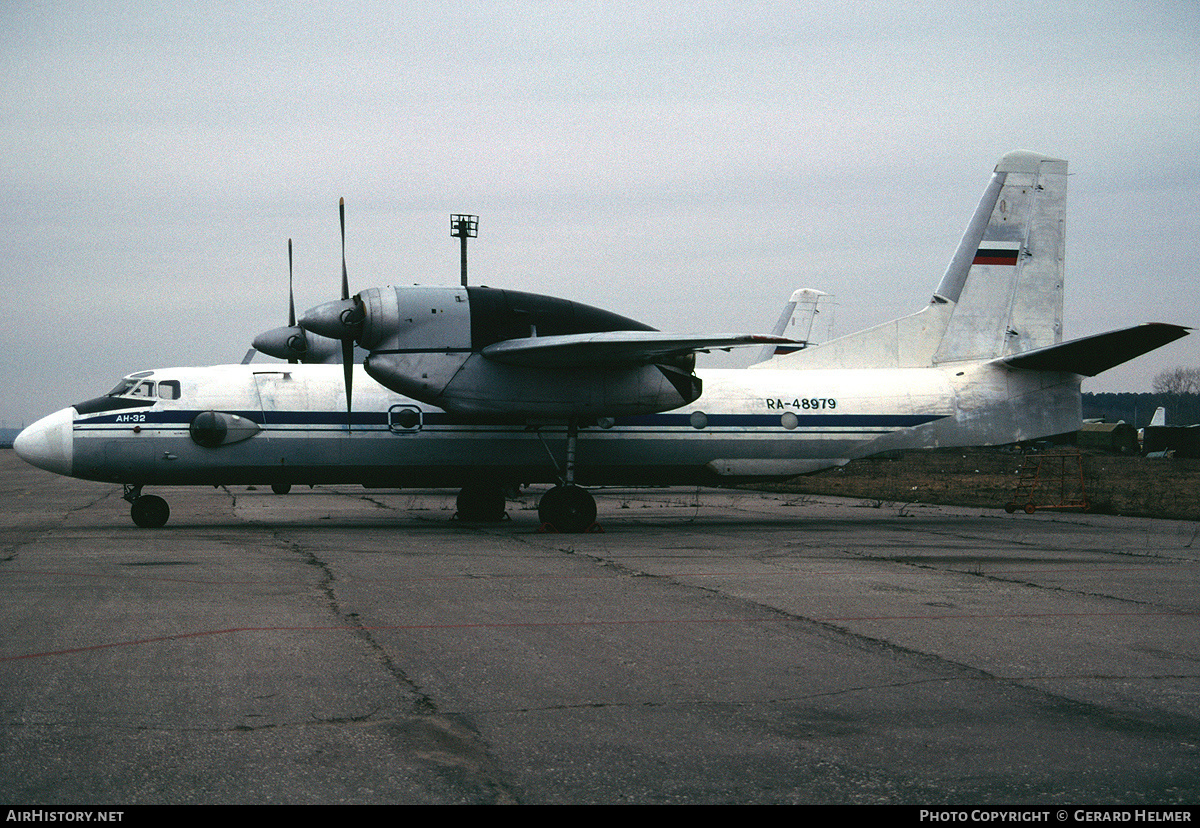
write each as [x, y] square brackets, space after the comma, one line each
[568, 508]
[147, 511]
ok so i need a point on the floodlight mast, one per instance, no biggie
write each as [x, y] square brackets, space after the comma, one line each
[464, 227]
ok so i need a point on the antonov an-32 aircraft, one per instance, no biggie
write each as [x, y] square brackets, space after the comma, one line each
[481, 389]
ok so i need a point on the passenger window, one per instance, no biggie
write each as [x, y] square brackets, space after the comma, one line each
[168, 389]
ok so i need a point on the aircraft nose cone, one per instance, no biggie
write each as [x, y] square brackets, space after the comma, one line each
[47, 443]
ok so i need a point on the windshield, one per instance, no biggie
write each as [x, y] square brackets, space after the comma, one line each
[123, 387]
[138, 387]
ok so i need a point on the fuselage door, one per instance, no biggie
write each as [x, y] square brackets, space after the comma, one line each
[281, 396]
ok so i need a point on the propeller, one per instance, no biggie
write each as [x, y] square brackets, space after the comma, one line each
[299, 342]
[341, 319]
[347, 343]
[288, 343]
[291, 296]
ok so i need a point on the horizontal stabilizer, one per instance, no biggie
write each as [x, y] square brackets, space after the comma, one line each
[614, 348]
[1093, 354]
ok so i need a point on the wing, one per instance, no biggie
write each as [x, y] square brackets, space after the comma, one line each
[613, 348]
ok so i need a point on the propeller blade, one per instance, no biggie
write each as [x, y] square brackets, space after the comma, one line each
[347, 342]
[292, 304]
[291, 296]
[342, 217]
[348, 373]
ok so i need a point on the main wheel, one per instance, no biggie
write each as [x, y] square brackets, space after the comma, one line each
[150, 512]
[481, 502]
[281, 488]
[568, 509]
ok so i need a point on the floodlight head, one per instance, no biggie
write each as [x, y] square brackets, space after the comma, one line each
[464, 227]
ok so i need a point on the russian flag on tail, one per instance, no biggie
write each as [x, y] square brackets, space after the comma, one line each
[997, 253]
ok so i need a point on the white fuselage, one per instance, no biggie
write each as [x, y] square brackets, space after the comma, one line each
[748, 424]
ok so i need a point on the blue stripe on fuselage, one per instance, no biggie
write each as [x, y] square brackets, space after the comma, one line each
[325, 419]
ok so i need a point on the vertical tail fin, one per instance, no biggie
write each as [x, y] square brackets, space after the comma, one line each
[1001, 294]
[806, 299]
[1006, 278]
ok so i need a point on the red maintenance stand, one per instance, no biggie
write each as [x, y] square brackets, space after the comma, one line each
[1050, 480]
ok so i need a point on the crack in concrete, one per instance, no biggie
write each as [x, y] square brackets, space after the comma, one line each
[439, 738]
[966, 672]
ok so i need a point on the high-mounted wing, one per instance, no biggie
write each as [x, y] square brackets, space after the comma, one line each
[615, 348]
[484, 351]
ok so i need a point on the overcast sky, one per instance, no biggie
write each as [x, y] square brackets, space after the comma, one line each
[686, 164]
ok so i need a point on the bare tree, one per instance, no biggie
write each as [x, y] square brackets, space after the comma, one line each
[1177, 380]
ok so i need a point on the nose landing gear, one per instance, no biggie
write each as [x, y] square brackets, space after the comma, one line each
[147, 511]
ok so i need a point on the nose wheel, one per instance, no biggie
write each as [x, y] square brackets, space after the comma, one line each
[147, 511]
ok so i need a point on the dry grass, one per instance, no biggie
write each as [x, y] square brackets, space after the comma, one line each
[981, 477]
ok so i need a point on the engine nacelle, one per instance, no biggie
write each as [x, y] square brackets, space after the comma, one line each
[426, 343]
[471, 384]
[415, 318]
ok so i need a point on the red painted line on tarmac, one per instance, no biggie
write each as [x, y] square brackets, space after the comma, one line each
[999, 615]
[131, 576]
[462, 626]
[495, 576]
[536, 624]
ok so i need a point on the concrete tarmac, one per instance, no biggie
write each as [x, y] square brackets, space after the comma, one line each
[343, 645]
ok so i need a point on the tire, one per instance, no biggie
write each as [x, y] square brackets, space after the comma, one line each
[150, 512]
[481, 503]
[569, 509]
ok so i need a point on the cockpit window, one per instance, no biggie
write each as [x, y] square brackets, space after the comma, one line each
[146, 389]
[123, 387]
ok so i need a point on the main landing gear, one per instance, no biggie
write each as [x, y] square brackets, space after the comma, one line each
[481, 502]
[567, 507]
[147, 511]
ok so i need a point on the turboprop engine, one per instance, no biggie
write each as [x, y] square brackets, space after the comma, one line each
[479, 350]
